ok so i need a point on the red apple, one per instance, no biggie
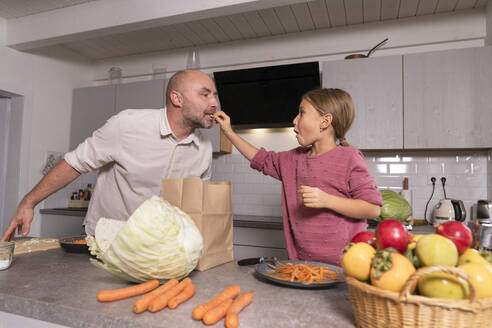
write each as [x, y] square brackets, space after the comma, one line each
[392, 233]
[364, 237]
[458, 233]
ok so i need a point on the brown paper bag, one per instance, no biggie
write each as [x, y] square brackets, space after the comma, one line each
[210, 205]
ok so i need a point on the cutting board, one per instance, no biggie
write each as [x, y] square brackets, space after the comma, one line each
[23, 246]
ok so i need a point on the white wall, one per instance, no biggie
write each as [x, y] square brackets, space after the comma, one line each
[488, 15]
[45, 79]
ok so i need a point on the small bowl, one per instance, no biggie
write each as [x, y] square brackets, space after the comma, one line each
[6, 254]
[75, 244]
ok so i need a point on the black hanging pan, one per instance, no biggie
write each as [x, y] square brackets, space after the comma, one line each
[355, 56]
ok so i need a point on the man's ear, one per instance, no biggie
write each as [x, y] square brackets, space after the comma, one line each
[326, 121]
[176, 98]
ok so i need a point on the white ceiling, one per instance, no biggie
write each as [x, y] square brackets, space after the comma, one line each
[292, 18]
[20, 8]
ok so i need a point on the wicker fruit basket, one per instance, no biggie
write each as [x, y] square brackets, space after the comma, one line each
[375, 307]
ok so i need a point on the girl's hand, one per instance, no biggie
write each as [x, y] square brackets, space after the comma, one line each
[224, 121]
[314, 197]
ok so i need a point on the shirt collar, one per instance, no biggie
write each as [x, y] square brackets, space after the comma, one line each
[165, 130]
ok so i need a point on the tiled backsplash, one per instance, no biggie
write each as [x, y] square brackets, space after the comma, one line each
[465, 173]
[468, 177]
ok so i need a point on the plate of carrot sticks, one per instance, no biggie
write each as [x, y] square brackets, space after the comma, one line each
[303, 274]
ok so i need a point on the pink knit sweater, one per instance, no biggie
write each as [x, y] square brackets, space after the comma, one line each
[319, 234]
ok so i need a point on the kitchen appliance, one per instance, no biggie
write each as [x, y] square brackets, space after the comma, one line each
[265, 97]
[481, 225]
[448, 210]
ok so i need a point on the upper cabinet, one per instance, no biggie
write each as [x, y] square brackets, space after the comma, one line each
[448, 99]
[220, 143]
[142, 94]
[93, 106]
[375, 85]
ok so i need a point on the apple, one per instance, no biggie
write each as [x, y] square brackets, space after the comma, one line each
[392, 233]
[364, 237]
[458, 233]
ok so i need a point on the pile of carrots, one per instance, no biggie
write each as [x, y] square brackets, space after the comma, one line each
[224, 305]
[155, 297]
[172, 293]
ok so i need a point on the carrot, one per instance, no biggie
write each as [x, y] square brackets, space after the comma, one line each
[185, 295]
[232, 318]
[200, 310]
[217, 313]
[144, 301]
[121, 293]
[161, 301]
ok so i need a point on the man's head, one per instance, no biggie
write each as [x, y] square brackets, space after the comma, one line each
[193, 95]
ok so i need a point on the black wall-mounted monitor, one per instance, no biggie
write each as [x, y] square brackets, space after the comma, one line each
[265, 97]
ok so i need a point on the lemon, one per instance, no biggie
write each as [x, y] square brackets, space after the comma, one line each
[443, 285]
[434, 249]
[481, 277]
[471, 255]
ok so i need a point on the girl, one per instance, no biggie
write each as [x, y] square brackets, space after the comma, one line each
[327, 189]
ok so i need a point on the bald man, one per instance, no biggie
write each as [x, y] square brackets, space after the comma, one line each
[133, 151]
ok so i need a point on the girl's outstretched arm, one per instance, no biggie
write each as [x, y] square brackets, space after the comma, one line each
[249, 151]
[353, 208]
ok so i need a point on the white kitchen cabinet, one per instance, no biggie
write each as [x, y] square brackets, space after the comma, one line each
[91, 108]
[375, 85]
[142, 94]
[220, 144]
[448, 99]
[257, 242]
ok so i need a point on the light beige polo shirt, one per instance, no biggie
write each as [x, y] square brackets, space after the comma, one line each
[133, 151]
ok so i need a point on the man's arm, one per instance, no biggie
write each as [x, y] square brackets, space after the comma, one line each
[58, 177]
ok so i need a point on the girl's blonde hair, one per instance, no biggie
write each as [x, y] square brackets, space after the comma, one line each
[336, 102]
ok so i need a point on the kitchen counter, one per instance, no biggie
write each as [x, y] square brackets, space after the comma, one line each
[60, 287]
[416, 230]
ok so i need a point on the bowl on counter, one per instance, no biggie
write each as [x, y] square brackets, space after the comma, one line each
[6, 254]
[76, 244]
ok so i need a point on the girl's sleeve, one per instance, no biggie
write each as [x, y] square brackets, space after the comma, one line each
[267, 162]
[361, 183]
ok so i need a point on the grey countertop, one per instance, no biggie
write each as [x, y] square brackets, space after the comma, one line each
[60, 287]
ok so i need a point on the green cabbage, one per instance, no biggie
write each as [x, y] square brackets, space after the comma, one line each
[394, 206]
[159, 241]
